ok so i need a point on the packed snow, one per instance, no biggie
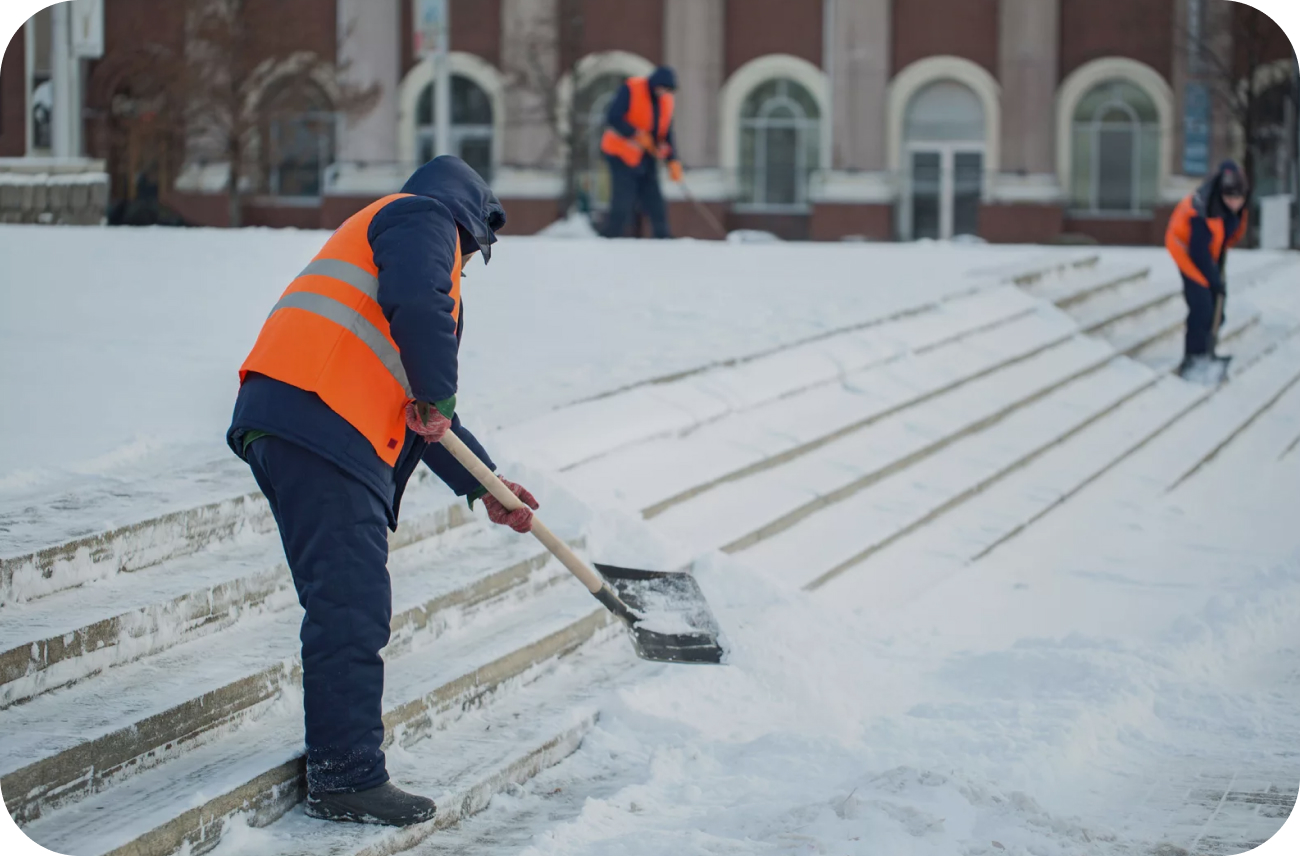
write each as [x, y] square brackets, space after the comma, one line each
[1118, 678]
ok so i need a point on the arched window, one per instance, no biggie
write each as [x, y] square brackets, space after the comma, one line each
[297, 139]
[944, 150]
[1116, 149]
[471, 125]
[779, 144]
[589, 111]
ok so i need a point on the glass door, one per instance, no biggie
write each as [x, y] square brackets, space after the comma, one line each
[945, 189]
[967, 191]
[926, 195]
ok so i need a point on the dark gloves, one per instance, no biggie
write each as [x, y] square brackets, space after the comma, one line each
[430, 421]
[521, 519]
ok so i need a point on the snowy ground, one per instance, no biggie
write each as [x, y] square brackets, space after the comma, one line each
[1120, 678]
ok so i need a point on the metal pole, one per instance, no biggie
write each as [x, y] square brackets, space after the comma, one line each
[61, 80]
[442, 83]
[828, 63]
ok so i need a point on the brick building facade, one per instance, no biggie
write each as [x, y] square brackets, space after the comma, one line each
[1015, 120]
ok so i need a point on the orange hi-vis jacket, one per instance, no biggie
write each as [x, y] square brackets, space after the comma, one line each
[640, 115]
[328, 335]
[1178, 237]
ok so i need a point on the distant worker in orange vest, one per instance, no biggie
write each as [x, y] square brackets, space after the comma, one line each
[639, 134]
[351, 383]
[1202, 228]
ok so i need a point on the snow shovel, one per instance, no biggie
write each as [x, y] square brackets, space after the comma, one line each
[666, 612]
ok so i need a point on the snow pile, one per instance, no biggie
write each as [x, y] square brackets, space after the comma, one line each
[576, 225]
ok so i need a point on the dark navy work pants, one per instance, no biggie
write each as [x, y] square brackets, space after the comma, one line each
[335, 535]
[631, 188]
[1200, 319]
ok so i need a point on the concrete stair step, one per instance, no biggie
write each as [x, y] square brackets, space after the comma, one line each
[1052, 266]
[1079, 284]
[739, 447]
[1017, 502]
[147, 543]
[813, 552]
[463, 766]
[258, 767]
[76, 632]
[1106, 308]
[71, 743]
[569, 436]
[1232, 410]
[740, 514]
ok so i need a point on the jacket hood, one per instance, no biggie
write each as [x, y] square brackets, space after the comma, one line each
[663, 76]
[1209, 196]
[473, 205]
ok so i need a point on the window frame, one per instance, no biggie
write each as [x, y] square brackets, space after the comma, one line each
[460, 132]
[762, 122]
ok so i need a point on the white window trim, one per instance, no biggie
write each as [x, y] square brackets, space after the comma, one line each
[763, 122]
[745, 80]
[477, 69]
[920, 74]
[1081, 81]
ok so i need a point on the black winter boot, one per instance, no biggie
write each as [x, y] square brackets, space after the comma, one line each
[386, 805]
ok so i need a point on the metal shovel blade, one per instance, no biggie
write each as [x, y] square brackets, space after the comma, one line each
[674, 623]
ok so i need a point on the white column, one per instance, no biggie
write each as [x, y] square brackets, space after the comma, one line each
[442, 84]
[1028, 67]
[694, 45]
[369, 53]
[860, 57]
[62, 81]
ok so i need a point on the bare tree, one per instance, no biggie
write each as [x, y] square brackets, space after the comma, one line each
[230, 72]
[1241, 63]
[551, 48]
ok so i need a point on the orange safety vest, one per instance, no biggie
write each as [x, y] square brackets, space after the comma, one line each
[640, 115]
[328, 335]
[1179, 234]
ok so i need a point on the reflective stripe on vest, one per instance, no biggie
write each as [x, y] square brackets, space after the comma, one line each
[328, 335]
[640, 115]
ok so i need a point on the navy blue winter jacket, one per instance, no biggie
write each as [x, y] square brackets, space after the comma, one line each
[414, 245]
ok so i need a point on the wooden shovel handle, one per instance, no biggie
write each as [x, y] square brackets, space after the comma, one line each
[506, 497]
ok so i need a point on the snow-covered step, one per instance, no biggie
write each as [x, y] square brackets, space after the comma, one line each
[1235, 408]
[1261, 443]
[146, 543]
[736, 515]
[568, 436]
[842, 536]
[184, 804]
[1049, 267]
[1079, 284]
[80, 739]
[656, 475]
[68, 635]
[1114, 304]
[1010, 506]
[463, 766]
[130, 548]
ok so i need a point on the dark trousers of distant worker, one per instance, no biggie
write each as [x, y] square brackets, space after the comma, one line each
[635, 187]
[1200, 335]
[335, 534]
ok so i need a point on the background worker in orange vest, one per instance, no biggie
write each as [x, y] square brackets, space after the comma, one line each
[638, 136]
[1202, 228]
[350, 385]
